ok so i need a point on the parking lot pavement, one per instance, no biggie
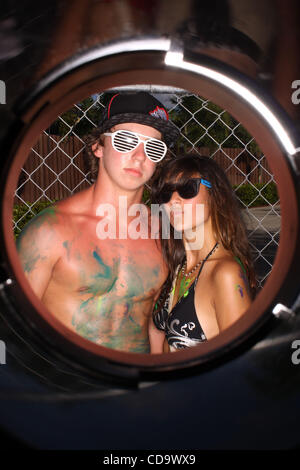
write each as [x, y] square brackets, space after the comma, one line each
[263, 219]
[263, 227]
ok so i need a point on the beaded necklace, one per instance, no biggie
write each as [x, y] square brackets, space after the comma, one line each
[184, 281]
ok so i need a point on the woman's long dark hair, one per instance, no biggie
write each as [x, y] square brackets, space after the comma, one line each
[227, 222]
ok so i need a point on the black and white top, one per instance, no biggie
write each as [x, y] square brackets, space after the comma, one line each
[181, 325]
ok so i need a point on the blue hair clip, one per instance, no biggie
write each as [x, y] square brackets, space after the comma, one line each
[206, 183]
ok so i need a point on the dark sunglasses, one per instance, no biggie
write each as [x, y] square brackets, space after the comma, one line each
[186, 191]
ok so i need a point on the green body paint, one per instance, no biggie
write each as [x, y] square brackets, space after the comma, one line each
[244, 277]
[29, 263]
[240, 263]
[67, 246]
[26, 244]
[184, 287]
[136, 285]
[107, 270]
[47, 215]
[104, 309]
[240, 289]
[88, 319]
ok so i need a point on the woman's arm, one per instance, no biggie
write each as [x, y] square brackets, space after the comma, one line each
[231, 293]
[156, 338]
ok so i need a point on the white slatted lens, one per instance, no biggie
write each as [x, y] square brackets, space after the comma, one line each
[125, 141]
[155, 150]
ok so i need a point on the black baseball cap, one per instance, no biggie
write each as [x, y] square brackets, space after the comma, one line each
[140, 108]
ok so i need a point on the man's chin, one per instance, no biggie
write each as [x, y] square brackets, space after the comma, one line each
[134, 187]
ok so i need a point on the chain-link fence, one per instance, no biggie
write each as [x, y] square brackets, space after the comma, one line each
[56, 166]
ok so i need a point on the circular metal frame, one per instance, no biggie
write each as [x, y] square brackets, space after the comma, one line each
[127, 63]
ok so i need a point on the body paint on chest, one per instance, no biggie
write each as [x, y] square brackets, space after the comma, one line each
[107, 270]
[67, 246]
[87, 319]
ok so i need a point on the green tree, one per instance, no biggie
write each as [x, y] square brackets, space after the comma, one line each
[205, 124]
[82, 118]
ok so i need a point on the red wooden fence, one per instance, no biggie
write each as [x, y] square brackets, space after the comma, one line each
[50, 171]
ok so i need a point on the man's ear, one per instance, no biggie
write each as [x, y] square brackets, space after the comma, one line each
[97, 150]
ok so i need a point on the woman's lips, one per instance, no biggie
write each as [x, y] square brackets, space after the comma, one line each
[133, 171]
[176, 210]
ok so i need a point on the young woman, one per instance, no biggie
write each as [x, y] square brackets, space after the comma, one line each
[211, 277]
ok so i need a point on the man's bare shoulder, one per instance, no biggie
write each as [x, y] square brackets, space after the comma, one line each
[44, 227]
[56, 218]
[77, 204]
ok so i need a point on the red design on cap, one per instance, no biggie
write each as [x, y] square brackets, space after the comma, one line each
[160, 113]
[108, 111]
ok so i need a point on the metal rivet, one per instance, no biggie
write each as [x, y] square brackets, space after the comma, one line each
[281, 311]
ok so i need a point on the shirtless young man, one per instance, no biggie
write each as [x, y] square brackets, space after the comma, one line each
[104, 288]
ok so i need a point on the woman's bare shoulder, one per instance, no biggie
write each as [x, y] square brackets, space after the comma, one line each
[226, 269]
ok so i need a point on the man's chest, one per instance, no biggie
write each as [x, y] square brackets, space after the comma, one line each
[126, 268]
